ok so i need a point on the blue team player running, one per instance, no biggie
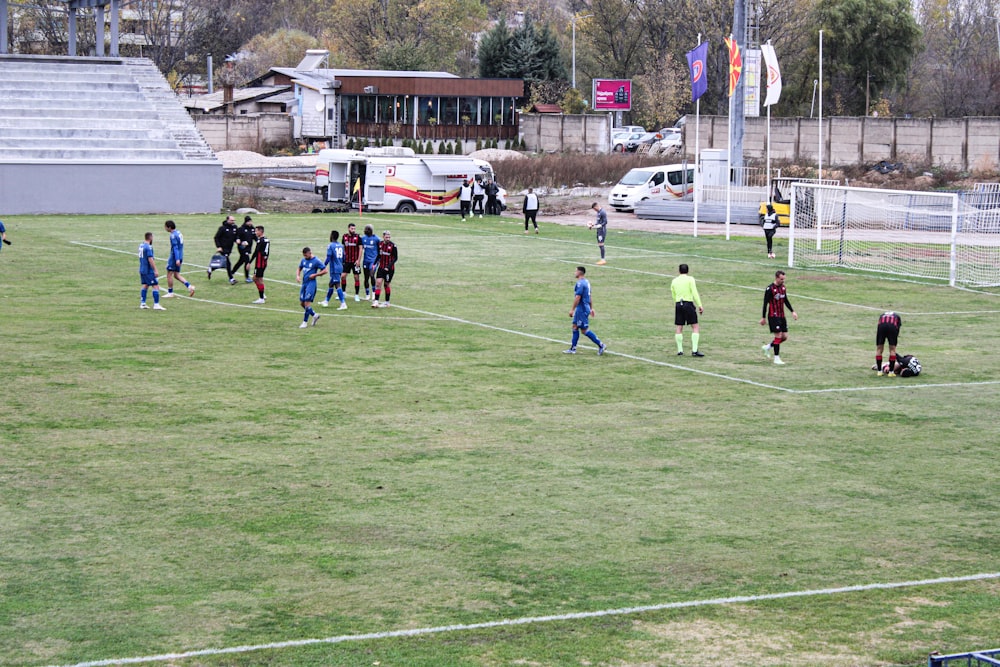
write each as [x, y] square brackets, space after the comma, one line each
[310, 268]
[175, 260]
[369, 262]
[335, 264]
[147, 273]
[582, 310]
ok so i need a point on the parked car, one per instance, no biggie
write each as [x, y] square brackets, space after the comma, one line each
[646, 138]
[672, 140]
[620, 141]
[628, 128]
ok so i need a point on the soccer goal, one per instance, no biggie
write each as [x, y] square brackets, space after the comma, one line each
[917, 234]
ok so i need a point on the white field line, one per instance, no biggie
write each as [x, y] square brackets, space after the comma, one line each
[758, 289]
[608, 352]
[531, 620]
[835, 390]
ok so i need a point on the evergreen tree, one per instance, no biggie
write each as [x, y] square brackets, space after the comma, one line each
[493, 51]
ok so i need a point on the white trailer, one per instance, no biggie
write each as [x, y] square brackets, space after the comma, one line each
[396, 179]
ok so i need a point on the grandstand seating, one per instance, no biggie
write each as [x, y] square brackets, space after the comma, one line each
[100, 115]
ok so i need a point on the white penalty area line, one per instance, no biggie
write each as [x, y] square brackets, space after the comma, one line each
[531, 620]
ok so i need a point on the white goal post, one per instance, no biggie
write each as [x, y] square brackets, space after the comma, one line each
[933, 235]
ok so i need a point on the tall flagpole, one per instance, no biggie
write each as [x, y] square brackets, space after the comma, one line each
[697, 147]
[729, 153]
[770, 190]
[819, 152]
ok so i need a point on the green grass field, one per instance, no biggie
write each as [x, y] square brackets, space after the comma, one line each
[212, 477]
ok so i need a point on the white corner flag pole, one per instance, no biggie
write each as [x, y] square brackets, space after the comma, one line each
[697, 159]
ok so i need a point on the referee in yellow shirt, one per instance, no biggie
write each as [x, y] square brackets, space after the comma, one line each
[687, 306]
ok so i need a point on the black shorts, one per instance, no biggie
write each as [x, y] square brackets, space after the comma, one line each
[385, 275]
[600, 234]
[777, 324]
[352, 268]
[887, 332]
[685, 312]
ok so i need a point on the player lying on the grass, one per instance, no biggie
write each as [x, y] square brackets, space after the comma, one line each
[581, 312]
[905, 366]
[888, 330]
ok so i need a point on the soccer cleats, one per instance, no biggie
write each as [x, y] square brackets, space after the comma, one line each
[190, 290]
[569, 350]
[357, 298]
[766, 349]
[600, 350]
[778, 361]
[315, 319]
[324, 303]
[143, 306]
[602, 262]
[169, 295]
[260, 300]
[157, 306]
[303, 325]
[696, 353]
[343, 306]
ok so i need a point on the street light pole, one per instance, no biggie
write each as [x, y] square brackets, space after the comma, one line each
[573, 21]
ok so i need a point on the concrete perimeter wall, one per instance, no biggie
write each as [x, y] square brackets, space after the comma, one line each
[566, 133]
[108, 188]
[245, 133]
[957, 143]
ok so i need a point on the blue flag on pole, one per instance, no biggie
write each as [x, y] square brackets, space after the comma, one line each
[696, 62]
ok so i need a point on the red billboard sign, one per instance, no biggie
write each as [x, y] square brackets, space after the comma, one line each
[612, 94]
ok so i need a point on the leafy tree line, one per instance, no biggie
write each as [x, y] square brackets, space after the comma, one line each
[925, 57]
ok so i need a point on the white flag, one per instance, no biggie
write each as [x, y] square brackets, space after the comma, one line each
[773, 74]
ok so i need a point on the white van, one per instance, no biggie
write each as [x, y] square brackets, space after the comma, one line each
[665, 181]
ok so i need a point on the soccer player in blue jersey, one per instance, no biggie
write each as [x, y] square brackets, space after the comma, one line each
[581, 312]
[335, 264]
[147, 273]
[175, 260]
[310, 268]
[369, 242]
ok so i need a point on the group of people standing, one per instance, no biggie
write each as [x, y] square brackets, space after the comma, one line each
[350, 254]
[473, 192]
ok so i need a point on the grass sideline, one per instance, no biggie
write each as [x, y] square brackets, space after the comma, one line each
[211, 476]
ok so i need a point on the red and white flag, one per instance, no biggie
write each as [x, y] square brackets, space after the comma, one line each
[773, 74]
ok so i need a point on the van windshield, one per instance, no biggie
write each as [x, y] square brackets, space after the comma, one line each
[636, 177]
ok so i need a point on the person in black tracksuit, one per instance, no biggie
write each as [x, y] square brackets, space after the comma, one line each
[225, 239]
[492, 205]
[245, 236]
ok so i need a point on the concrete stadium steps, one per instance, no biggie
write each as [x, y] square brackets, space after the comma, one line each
[83, 135]
[75, 108]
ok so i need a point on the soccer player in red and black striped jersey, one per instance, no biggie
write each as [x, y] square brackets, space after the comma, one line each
[773, 314]
[888, 330]
[259, 261]
[386, 266]
[352, 259]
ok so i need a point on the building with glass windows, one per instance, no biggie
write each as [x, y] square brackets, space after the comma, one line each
[334, 104]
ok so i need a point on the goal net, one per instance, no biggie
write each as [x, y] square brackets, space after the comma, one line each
[917, 234]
